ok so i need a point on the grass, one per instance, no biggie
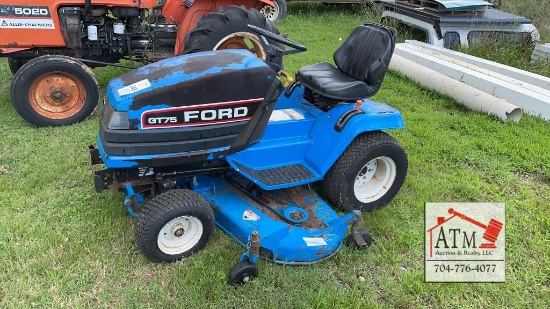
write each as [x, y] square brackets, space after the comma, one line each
[532, 9]
[63, 245]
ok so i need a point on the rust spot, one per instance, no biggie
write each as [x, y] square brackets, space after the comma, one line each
[57, 95]
[299, 195]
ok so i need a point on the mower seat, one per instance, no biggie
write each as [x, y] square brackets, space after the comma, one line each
[361, 63]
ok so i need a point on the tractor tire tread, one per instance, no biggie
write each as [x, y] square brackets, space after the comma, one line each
[334, 187]
[213, 27]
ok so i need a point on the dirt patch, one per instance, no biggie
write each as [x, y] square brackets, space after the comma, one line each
[532, 177]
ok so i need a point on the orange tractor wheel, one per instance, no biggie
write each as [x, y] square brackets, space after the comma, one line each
[54, 91]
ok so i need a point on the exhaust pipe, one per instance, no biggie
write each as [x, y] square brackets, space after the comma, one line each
[87, 8]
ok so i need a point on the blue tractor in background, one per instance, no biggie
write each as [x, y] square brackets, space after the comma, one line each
[217, 138]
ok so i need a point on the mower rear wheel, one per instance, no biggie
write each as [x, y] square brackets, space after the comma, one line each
[368, 174]
[54, 91]
[174, 225]
[243, 272]
[227, 29]
[277, 12]
[352, 243]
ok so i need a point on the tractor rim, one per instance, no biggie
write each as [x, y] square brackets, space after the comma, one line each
[242, 40]
[57, 95]
[179, 235]
[375, 179]
[270, 12]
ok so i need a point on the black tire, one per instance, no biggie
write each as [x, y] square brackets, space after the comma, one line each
[54, 91]
[243, 272]
[275, 13]
[174, 225]
[219, 31]
[357, 165]
[15, 64]
[352, 244]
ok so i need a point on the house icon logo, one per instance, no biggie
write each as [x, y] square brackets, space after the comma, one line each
[492, 230]
[464, 242]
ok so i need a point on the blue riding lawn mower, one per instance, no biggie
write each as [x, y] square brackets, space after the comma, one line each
[218, 138]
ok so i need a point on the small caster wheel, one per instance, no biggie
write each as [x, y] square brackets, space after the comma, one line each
[350, 241]
[243, 272]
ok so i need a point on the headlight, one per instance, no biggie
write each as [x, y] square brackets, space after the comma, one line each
[113, 119]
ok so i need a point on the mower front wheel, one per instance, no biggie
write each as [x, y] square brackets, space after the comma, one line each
[368, 174]
[174, 225]
[243, 272]
[367, 237]
[54, 91]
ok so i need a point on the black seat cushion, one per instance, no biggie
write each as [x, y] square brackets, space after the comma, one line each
[330, 82]
[361, 63]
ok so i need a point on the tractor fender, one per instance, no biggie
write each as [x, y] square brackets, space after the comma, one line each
[10, 50]
[328, 144]
[264, 1]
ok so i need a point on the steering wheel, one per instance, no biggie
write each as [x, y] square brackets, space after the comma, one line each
[277, 38]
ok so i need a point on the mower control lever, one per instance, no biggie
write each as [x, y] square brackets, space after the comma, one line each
[274, 50]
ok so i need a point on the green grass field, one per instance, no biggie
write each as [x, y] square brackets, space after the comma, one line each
[63, 245]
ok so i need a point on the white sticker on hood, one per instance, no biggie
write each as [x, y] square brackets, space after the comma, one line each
[135, 87]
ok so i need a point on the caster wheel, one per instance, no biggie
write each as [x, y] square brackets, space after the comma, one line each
[351, 243]
[243, 272]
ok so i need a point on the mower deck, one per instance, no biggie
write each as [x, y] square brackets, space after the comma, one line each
[295, 226]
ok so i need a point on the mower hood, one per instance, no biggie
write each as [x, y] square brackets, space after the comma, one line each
[191, 90]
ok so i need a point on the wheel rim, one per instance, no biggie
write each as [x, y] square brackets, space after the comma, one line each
[375, 179]
[179, 235]
[270, 12]
[246, 277]
[242, 40]
[57, 95]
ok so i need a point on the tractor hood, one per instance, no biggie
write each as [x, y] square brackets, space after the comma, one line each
[188, 91]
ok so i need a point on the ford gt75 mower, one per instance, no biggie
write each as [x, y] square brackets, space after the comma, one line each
[216, 138]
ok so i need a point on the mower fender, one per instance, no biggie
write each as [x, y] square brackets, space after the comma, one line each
[331, 135]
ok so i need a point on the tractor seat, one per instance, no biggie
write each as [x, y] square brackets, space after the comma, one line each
[361, 63]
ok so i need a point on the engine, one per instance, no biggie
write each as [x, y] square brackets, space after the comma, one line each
[108, 34]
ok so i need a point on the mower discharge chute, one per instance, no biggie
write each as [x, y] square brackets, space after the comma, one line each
[215, 138]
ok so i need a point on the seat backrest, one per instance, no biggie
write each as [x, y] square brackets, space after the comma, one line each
[366, 53]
